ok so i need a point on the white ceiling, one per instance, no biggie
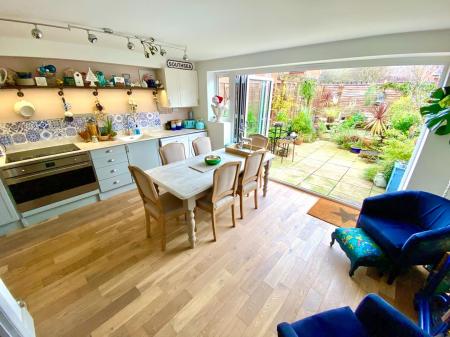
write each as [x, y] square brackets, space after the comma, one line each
[214, 29]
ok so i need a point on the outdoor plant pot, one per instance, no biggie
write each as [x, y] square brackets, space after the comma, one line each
[355, 149]
[379, 180]
[298, 141]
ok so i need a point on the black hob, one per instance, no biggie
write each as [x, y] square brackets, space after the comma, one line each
[42, 152]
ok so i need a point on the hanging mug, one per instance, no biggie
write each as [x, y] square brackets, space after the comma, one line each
[3, 76]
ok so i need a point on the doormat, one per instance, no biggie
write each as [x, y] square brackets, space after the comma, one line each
[334, 213]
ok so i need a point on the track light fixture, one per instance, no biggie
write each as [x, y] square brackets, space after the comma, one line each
[36, 33]
[150, 45]
[185, 57]
[130, 45]
[92, 38]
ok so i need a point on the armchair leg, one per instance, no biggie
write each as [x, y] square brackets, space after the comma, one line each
[393, 274]
[333, 239]
[353, 267]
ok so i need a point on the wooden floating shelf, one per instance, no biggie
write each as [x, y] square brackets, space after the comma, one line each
[23, 87]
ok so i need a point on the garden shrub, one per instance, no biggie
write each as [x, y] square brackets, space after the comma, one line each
[302, 123]
[354, 121]
[397, 147]
[282, 116]
[403, 114]
[371, 171]
[331, 113]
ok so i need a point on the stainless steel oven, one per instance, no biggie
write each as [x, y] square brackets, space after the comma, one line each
[42, 182]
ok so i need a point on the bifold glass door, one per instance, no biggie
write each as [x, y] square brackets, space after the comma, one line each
[259, 100]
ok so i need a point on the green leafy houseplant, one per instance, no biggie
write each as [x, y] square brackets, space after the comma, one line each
[437, 113]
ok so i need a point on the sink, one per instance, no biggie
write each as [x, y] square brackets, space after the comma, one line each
[129, 138]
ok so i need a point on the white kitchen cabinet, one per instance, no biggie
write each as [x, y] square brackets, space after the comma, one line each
[144, 154]
[186, 140]
[191, 138]
[178, 139]
[8, 212]
[181, 88]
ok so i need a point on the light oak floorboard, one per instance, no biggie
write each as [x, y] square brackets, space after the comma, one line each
[93, 272]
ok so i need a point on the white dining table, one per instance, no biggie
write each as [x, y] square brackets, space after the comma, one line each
[189, 184]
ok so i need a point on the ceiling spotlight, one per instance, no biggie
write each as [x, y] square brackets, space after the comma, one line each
[162, 52]
[92, 38]
[36, 33]
[185, 57]
[130, 45]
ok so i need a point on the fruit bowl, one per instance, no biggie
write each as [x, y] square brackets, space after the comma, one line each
[212, 160]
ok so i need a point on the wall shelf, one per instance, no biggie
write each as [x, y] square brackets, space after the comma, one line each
[25, 87]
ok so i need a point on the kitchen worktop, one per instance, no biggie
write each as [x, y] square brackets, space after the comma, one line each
[83, 146]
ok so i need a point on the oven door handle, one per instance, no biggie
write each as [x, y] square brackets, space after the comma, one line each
[46, 173]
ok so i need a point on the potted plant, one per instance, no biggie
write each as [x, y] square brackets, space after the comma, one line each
[356, 146]
[106, 131]
[437, 113]
[378, 121]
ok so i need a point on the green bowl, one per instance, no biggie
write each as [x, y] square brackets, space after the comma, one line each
[212, 160]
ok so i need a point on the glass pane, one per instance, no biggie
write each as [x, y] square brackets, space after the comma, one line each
[223, 89]
[255, 97]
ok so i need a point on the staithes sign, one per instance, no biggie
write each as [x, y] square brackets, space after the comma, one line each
[180, 65]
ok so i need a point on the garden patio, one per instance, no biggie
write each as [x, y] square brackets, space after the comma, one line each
[324, 168]
[352, 127]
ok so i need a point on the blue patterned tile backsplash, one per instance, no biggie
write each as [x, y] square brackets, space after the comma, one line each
[40, 130]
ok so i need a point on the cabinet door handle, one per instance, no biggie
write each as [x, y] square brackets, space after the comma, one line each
[110, 160]
[116, 182]
[113, 170]
[108, 151]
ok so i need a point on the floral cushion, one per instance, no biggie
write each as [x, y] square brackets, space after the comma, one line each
[359, 247]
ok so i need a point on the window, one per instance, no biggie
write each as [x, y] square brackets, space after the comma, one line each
[223, 89]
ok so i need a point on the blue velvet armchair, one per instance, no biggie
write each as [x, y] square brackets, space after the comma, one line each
[374, 317]
[411, 227]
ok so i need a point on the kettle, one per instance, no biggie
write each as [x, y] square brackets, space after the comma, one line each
[3, 76]
[199, 125]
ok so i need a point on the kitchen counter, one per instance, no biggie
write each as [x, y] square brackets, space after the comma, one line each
[83, 146]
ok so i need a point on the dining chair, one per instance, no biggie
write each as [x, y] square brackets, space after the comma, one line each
[161, 207]
[223, 193]
[248, 181]
[172, 152]
[259, 140]
[262, 142]
[201, 145]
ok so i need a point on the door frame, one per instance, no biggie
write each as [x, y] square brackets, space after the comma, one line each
[267, 102]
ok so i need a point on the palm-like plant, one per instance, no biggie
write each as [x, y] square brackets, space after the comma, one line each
[378, 122]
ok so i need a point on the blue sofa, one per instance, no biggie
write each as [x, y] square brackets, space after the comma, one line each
[411, 227]
[374, 317]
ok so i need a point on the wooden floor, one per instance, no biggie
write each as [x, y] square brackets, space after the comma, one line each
[92, 272]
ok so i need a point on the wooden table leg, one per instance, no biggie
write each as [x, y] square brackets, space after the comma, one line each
[190, 206]
[266, 176]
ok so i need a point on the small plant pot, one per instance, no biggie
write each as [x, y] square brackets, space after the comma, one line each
[298, 141]
[355, 149]
[103, 138]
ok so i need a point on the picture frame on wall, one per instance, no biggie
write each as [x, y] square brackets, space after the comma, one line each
[127, 79]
